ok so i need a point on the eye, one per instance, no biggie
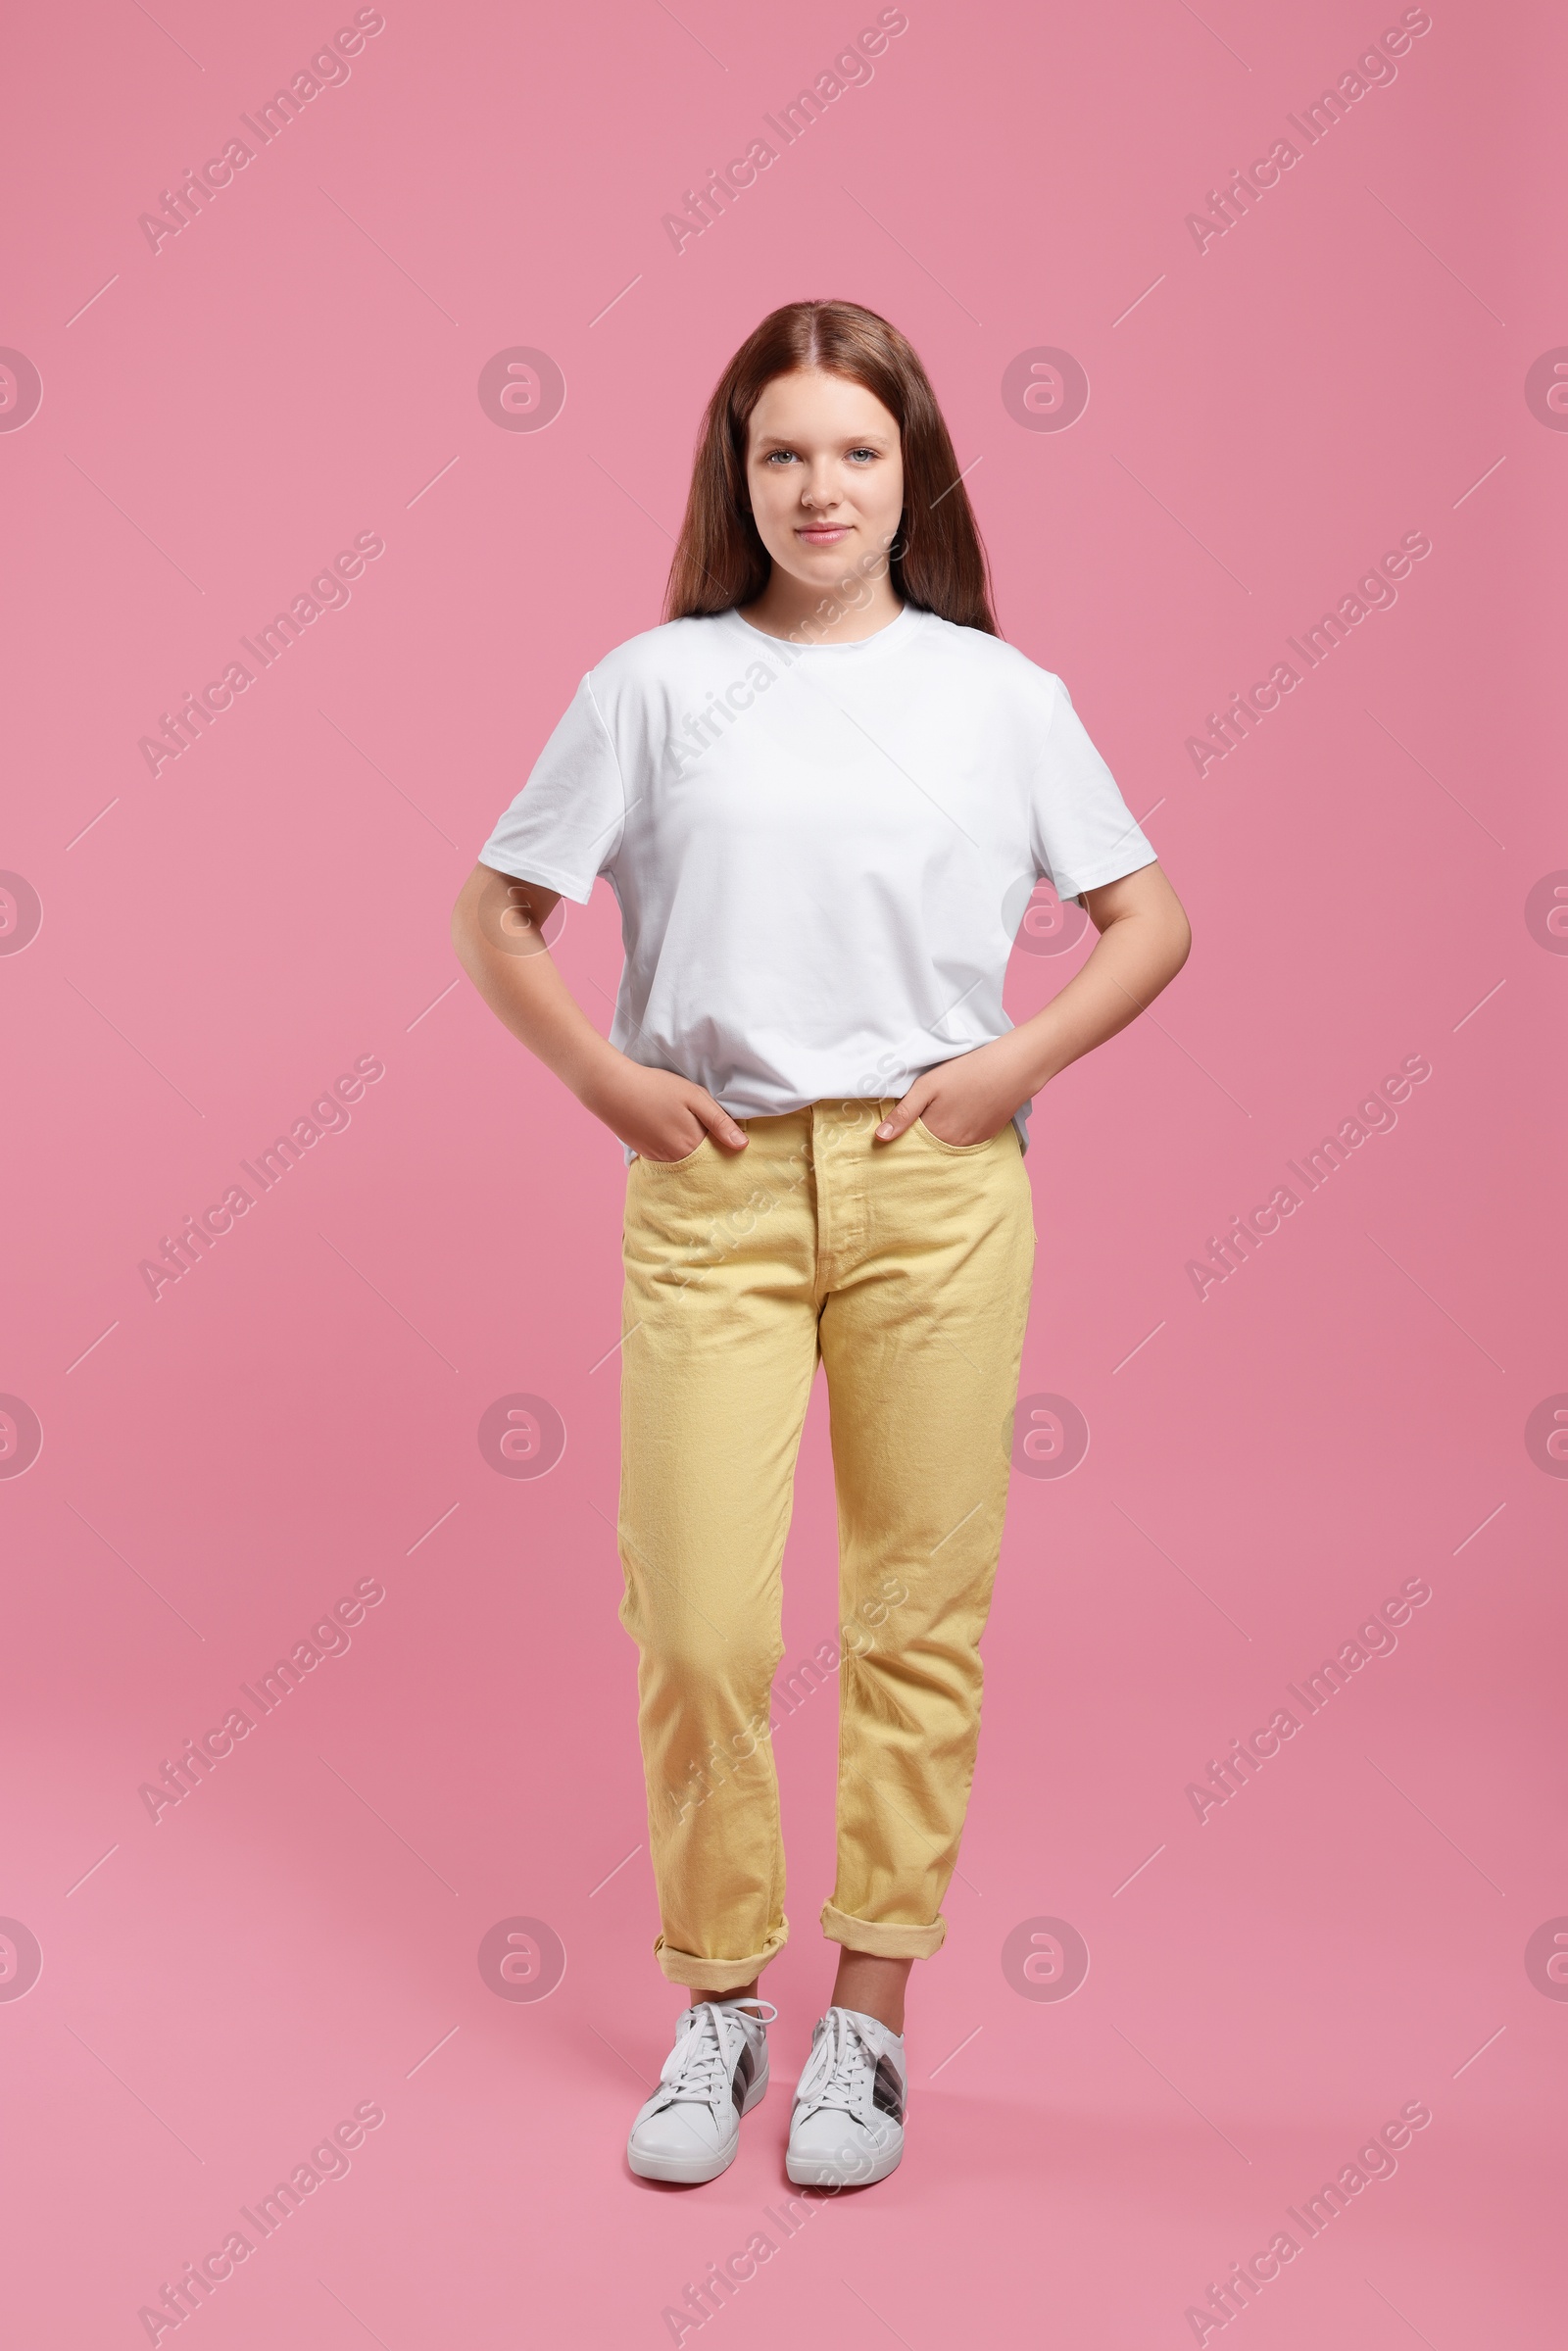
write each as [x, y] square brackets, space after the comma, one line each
[788, 454]
[868, 453]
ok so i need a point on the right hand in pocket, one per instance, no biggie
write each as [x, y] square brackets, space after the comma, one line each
[661, 1116]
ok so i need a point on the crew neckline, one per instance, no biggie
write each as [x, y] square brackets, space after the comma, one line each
[893, 633]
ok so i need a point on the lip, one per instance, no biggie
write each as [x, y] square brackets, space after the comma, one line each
[823, 534]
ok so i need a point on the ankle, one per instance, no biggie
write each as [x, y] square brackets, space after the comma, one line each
[882, 2012]
[872, 1987]
[741, 1991]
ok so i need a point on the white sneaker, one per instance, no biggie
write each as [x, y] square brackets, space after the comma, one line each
[847, 2125]
[690, 2129]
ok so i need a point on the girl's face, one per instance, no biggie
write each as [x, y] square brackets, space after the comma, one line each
[826, 477]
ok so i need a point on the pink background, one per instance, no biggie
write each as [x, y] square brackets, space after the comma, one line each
[300, 1412]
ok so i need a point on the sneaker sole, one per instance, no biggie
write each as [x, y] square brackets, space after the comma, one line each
[691, 2171]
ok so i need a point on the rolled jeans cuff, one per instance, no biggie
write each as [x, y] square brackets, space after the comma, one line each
[718, 1975]
[883, 1942]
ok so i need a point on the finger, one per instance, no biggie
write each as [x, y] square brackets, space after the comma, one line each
[903, 1114]
[720, 1126]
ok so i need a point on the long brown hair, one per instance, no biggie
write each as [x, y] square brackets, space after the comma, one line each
[937, 560]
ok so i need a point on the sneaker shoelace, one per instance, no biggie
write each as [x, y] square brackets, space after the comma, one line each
[841, 2066]
[697, 2071]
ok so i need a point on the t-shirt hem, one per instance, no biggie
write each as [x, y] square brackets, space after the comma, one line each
[1109, 869]
[578, 892]
[1019, 1123]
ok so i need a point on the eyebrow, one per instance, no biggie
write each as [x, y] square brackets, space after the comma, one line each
[859, 440]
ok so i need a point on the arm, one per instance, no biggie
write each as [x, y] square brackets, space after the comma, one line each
[1144, 939]
[497, 930]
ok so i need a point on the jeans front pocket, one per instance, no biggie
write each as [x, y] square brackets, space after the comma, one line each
[668, 1166]
[961, 1151]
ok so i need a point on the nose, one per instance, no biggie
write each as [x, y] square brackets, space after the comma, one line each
[820, 489]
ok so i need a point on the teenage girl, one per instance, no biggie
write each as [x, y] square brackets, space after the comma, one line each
[823, 792]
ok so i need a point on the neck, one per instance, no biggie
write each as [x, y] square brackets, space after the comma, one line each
[811, 615]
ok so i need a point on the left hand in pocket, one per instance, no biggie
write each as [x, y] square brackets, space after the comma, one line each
[964, 1100]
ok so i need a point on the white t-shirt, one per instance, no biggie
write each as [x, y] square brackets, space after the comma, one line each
[822, 853]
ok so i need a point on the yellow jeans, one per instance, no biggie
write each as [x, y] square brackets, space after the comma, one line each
[905, 1269]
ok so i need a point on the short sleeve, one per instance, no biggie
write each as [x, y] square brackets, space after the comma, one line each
[1081, 831]
[564, 826]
